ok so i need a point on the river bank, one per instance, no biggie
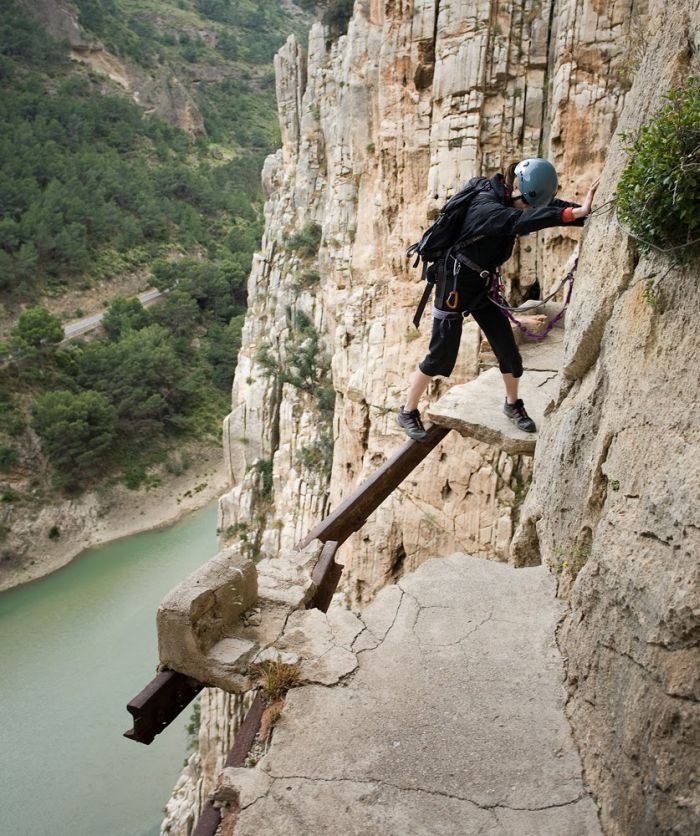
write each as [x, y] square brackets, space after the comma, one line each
[38, 542]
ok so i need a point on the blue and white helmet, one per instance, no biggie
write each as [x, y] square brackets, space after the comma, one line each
[537, 181]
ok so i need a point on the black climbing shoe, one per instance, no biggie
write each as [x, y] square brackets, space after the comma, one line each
[516, 413]
[411, 424]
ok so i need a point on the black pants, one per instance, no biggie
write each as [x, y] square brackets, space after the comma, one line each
[447, 333]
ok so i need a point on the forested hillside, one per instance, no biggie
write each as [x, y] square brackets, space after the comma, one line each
[95, 186]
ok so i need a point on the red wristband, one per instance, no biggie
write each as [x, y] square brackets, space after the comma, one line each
[567, 215]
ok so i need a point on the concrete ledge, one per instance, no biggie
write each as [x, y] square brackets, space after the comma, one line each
[475, 409]
[450, 722]
[196, 618]
[287, 580]
[213, 624]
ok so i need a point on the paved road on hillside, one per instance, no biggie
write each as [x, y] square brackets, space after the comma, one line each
[79, 327]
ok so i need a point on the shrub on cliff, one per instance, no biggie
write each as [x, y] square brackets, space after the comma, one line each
[657, 192]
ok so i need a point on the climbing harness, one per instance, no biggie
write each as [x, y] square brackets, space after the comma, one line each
[494, 289]
[429, 275]
[452, 298]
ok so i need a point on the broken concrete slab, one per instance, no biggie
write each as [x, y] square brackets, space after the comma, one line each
[208, 628]
[378, 619]
[452, 724]
[249, 784]
[321, 642]
[286, 580]
[475, 409]
[359, 808]
[199, 613]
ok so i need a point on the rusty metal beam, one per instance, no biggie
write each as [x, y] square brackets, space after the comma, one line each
[353, 511]
[159, 703]
[208, 823]
[245, 736]
[325, 575]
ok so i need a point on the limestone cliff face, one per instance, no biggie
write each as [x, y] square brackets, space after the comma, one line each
[378, 129]
[615, 496]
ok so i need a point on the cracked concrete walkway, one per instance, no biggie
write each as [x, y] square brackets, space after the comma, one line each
[452, 722]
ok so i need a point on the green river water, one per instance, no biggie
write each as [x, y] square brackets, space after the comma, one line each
[74, 648]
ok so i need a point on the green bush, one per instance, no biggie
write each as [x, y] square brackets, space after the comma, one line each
[194, 725]
[8, 457]
[125, 315]
[264, 468]
[307, 241]
[134, 475]
[319, 457]
[77, 431]
[657, 192]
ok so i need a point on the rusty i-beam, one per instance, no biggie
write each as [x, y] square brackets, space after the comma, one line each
[170, 692]
[353, 511]
[154, 708]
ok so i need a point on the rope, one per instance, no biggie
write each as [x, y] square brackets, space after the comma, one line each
[496, 296]
[648, 243]
[541, 303]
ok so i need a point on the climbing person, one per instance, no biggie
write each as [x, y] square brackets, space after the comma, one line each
[497, 210]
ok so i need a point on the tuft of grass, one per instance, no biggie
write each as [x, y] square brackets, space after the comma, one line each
[574, 562]
[650, 294]
[275, 678]
[194, 725]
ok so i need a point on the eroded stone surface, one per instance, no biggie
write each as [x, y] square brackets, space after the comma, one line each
[615, 503]
[321, 642]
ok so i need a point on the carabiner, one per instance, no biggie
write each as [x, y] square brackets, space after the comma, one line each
[452, 300]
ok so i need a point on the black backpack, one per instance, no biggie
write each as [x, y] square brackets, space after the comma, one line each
[439, 238]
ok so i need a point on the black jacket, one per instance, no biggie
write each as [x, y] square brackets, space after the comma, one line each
[489, 215]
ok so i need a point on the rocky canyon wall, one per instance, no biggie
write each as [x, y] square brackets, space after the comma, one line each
[378, 129]
[614, 507]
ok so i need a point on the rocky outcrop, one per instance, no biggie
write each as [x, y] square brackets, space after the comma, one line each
[223, 713]
[614, 507]
[160, 93]
[59, 18]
